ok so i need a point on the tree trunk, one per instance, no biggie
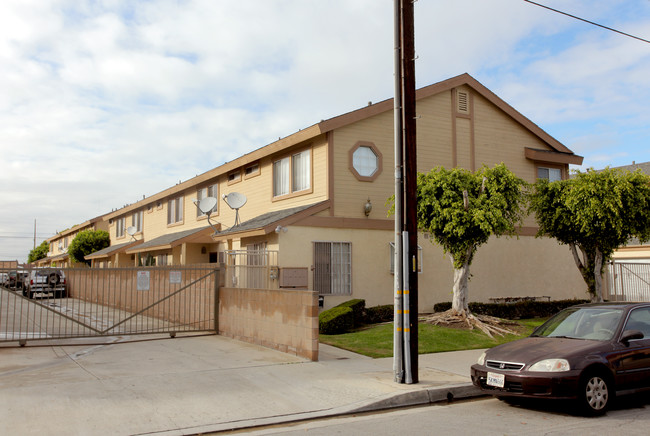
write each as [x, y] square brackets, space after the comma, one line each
[460, 300]
[588, 275]
[598, 277]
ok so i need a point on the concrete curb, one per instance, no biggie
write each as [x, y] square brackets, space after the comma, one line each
[419, 397]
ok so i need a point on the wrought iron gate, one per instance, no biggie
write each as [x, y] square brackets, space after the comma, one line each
[109, 302]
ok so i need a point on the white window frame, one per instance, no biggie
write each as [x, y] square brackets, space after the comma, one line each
[208, 191]
[175, 210]
[120, 224]
[292, 174]
[136, 220]
[392, 258]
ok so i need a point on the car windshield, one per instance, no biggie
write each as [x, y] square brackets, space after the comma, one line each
[597, 323]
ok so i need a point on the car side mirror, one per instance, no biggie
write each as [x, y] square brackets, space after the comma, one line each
[629, 335]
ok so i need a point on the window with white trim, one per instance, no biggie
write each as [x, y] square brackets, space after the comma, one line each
[550, 174]
[136, 221]
[392, 258]
[333, 268]
[292, 174]
[119, 227]
[208, 191]
[175, 210]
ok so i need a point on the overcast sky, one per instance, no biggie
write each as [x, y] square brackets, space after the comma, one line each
[102, 102]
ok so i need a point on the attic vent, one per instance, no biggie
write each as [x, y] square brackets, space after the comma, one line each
[463, 102]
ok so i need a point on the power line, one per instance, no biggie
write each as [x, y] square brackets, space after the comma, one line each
[587, 21]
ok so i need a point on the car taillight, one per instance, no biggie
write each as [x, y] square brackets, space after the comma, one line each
[31, 282]
[63, 281]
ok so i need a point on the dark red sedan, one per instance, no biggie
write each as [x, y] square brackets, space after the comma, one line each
[589, 353]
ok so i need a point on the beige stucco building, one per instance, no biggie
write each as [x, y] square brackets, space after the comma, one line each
[57, 254]
[308, 196]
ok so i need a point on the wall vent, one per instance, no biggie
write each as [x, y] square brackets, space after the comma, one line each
[463, 102]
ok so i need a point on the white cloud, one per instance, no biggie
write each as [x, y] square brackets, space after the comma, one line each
[99, 97]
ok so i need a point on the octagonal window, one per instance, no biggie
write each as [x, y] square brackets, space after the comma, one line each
[365, 161]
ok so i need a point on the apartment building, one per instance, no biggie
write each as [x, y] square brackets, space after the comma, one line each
[318, 199]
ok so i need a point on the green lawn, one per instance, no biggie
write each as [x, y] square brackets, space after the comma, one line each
[377, 341]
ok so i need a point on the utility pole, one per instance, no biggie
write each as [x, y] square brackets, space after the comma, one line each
[34, 233]
[406, 231]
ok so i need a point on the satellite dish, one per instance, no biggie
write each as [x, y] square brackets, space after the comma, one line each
[131, 230]
[235, 200]
[207, 204]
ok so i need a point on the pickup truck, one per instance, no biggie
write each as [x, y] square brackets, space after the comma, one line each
[45, 281]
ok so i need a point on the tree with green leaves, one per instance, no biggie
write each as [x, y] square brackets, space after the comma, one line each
[594, 213]
[39, 252]
[462, 210]
[87, 242]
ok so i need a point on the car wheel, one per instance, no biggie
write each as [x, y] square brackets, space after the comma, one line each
[596, 394]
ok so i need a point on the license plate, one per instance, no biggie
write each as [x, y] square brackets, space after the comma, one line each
[496, 380]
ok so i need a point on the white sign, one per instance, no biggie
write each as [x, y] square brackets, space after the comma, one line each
[143, 280]
[174, 277]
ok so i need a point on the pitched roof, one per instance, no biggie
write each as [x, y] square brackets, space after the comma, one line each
[267, 223]
[170, 240]
[113, 249]
[337, 122]
[644, 167]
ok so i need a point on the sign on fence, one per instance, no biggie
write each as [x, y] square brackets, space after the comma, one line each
[143, 280]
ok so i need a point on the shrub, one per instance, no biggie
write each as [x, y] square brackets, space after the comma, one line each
[357, 307]
[518, 310]
[336, 320]
[379, 314]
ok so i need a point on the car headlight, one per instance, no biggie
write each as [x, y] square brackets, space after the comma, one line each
[551, 365]
[481, 359]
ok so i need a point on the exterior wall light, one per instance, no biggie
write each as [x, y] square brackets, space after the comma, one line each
[367, 208]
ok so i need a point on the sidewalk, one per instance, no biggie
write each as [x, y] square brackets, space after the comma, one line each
[203, 384]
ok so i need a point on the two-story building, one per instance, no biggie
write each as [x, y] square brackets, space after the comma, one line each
[318, 198]
[57, 254]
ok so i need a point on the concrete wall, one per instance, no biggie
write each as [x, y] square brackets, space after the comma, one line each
[285, 320]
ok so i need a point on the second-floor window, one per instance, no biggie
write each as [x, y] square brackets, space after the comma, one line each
[175, 210]
[209, 191]
[292, 174]
[119, 227]
[550, 174]
[136, 221]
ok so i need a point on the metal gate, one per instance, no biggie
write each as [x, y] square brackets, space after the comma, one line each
[628, 281]
[104, 302]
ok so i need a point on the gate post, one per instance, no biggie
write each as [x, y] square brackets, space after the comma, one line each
[218, 280]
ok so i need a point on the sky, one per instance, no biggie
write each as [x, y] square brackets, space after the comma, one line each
[104, 101]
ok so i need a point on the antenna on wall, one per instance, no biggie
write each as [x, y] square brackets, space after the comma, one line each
[206, 206]
[235, 200]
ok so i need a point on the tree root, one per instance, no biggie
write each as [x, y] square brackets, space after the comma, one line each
[487, 324]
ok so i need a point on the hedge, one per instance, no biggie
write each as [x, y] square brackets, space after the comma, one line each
[357, 306]
[518, 310]
[379, 314]
[336, 320]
